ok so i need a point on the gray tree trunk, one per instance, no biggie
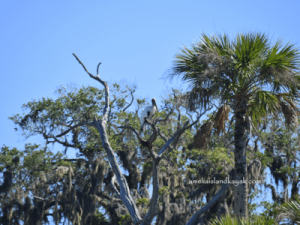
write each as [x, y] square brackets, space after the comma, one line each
[240, 138]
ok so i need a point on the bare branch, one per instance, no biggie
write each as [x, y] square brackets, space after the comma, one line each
[131, 99]
[198, 118]
[164, 138]
[149, 218]
[198, 191]
[154, 134]
[39, 198]
[163, 120]
[275, 197]
[125, 194]
[134, 131]
[65, 143]
[155, 192]
[92, 76]
[112, 183]
[106, 108]
[98, 69]
[183, 129]
[78, 125]
[208, 205]
[147, 143]
[161, 151]
[191, 117]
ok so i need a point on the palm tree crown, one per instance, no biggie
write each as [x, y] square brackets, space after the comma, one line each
[248, 75]
[248, 67]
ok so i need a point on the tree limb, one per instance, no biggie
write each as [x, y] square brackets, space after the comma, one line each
[163, 120]
[199, 190]
[208, 205]
[112, 183]
[131, 99]
[78, 125]
[161, 151]
[97, 78]
[164, 138]
[100, 125]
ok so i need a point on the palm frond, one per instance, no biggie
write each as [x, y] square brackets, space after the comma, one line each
[289, 110]
[280, 66]
[217, 67]
[291, 210]
[249, 48]
[220, 44]
[262, 104]
[227, 220]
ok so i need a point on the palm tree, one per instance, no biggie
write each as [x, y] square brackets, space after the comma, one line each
[248, 75]
[291, 210]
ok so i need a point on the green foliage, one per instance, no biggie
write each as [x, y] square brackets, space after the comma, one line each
[164, 190]
[100, 217]
[124, 218]
[163, 169]
[48, 117]
[261, 104]
[264, 159]
[147, 166]
[142, 201]
[227, 220]
[216, 158]
[291, 210]
[9, 158]
[218, 155]
[179, 195]
[251, 74]
[271, 209]
[287, 170]
[244, 65]
[141, 102]
[252, 206]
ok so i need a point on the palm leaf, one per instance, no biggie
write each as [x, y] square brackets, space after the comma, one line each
[248, 48]
[291, 210]
[280, 65]
[262, 104]
[227, 220]
[289, 110]
[217, 67]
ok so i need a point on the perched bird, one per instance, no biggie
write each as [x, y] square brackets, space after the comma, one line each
[148, 113]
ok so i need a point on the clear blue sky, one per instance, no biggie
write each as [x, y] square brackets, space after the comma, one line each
[134, 40]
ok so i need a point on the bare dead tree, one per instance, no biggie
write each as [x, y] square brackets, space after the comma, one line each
[124, 193]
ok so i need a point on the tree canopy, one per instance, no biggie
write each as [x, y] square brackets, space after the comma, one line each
[167, 174]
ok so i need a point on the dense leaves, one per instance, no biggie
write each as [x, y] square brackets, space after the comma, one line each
[229, 101]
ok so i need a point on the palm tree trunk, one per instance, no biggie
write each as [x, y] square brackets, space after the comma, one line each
[240, 138]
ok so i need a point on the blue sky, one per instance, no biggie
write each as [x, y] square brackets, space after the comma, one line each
[135, 40]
